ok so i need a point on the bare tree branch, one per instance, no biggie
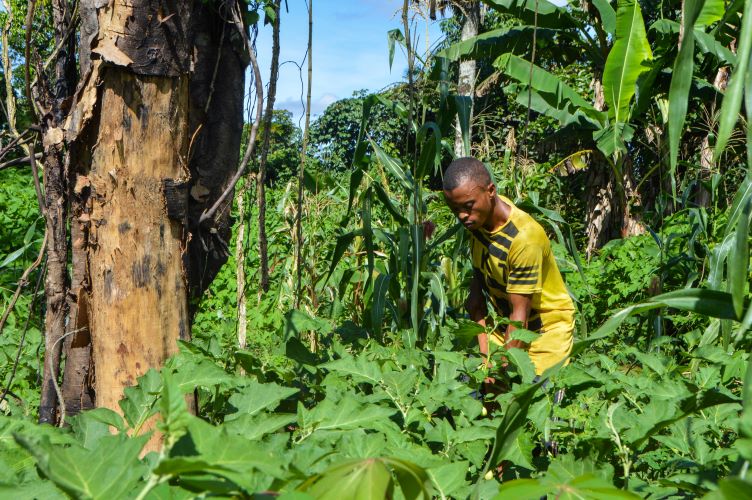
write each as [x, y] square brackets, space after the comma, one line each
[301, 171]
[208, 214]
[22, 283]
[22, 340]
[19, 161]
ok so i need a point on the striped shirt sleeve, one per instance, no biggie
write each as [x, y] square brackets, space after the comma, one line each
[525, 268]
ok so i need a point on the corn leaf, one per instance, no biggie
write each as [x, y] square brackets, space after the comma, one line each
[732, 100]
[681, 81]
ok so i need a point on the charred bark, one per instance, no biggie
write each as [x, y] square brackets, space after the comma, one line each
[56, 207]
[217, 90]
[78, 383]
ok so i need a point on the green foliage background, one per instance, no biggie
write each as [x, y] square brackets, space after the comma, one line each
[372, 388]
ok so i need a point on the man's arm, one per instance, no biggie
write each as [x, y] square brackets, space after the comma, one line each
[520, 312]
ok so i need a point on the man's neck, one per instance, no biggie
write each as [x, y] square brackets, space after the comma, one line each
[499, 216]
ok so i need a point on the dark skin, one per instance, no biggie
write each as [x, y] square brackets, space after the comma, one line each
[477, 205]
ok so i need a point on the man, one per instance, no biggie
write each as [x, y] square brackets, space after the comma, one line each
[514, 265]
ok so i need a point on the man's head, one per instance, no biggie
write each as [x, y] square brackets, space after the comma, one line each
[469, 192]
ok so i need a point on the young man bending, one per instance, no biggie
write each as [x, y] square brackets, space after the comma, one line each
[514, 265]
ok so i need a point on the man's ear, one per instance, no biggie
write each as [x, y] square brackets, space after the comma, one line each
[491, 189]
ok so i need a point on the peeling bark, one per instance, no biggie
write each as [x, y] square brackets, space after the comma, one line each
[138, 298]
[141, 175]
[129, 133]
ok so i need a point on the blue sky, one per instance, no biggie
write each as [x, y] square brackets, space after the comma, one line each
[349, 50]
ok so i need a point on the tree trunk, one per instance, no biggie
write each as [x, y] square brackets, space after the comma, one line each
[240, 261]
[599, 188]
[217, 90]
[55, 187]
[466, 80]
[132, 115]
[77, 385]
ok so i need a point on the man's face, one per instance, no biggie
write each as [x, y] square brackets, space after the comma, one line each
[472, 203]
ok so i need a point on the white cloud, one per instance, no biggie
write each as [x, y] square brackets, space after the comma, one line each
[318, 105]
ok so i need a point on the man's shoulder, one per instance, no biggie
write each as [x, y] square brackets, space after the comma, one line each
[528, 229]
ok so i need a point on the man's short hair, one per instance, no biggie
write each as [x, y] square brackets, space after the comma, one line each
[463, 170]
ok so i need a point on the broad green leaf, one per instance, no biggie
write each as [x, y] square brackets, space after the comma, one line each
[194, 368]
[254, 427]
[297, 322]
[705, 302]
[521, 452]
[255, 397]
[91, 426]
[448, 478]
[139, 402]
[613, 138]
[172, 408]
[626, 61]
[523, 363]
[34, 490]
[542, 12]
[567, 478]
[413, 480]
[712, 11]
[741, 198]
[706, 42]
[681, 81]
[608, 15]
[732, 99]
[542, 81]
[379, 297]
[738, 260]
[29, 234]
[522, 489]
[493, 43]
[467, 331]
[349, 414]
[697, 402]
[512, 423]
[216, 451]
[165, 491]
[732, 488]
[429, 137]
[111, 470]
[367, 479]
[360, 368]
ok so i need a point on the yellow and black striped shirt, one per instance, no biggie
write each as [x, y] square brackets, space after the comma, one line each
[517, 258]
